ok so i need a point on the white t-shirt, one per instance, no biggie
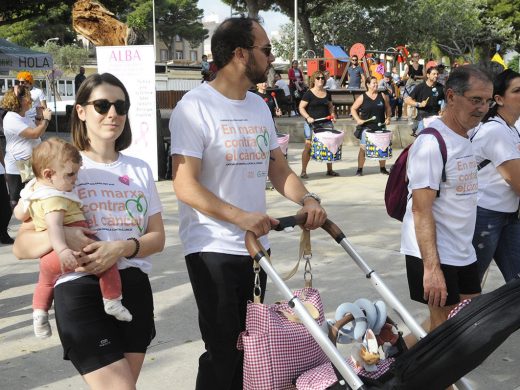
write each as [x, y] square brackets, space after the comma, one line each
[282, 84]
[331, 83]
[17, 147]
[233, 138]
[118, 199]
[497, 142]
[455, 209]
[2, 169]
[37, 96]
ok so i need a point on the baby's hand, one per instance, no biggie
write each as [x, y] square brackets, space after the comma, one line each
[68, 260]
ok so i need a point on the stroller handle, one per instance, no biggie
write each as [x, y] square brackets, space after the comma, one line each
[255, 248]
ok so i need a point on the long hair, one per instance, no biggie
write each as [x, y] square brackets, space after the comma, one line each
[501, 83]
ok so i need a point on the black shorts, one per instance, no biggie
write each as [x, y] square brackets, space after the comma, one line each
[92, 339]
[459, 280]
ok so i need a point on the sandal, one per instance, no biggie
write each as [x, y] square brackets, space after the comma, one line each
[332, 173]
[304, 175]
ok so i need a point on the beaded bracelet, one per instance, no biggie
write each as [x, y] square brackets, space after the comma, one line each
[137, 247]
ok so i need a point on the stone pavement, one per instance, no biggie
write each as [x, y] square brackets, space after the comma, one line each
[355, 204]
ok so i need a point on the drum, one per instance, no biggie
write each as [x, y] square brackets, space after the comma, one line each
[283, 142]
[326, 145]
[379, 144]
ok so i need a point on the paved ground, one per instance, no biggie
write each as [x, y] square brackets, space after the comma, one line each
[354, 203]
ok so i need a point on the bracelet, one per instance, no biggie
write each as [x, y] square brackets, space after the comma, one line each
[310, 195]
[137, 247]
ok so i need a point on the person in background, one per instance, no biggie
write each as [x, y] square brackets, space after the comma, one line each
[39, 100]
[330, 82]
[427, 98]
[5, 206]
[414, 74]
[204, 68]
[355, 75]
[496, 144]
[315, 104]
[296, 83]
[261, 90]
[80, 77]
[371, 104]
[286, 101]
[388, 87]
[21, 136]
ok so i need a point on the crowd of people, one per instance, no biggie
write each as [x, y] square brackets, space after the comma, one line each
[461, 213]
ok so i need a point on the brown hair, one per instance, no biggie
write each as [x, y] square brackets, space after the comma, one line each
[13, 98]
[50, 151]
[313, 77]
[78, 128]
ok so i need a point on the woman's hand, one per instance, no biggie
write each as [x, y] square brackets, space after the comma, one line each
[387, 120]
[309, 120]
[101, 255]
[47, 114]
[333, 117]
[360, 122]
[77, 237]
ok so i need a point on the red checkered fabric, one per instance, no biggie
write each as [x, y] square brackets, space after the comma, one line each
[276, 350]
[322, 377]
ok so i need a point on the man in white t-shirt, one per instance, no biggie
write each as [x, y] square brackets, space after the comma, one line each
[224, 145]
[438, 226]
[37, 96]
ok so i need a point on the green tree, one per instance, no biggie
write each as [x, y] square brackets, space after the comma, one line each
[173, 17]
[507, 11]
[284, 46]
[67, 58]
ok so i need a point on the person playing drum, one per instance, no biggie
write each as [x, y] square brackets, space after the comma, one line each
[372, 111]
[315, 104]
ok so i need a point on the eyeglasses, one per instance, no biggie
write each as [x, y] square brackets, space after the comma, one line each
[102, 106]
[478, 101]
[264, 49]
[21, 82]
[354, 59]
[320, 78]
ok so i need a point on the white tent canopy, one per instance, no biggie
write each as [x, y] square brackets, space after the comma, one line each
[14, 57]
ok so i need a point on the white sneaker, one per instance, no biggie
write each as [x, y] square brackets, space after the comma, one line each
[115, 308]
[41, 325]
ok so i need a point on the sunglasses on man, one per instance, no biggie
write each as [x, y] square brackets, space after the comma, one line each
[102, 106]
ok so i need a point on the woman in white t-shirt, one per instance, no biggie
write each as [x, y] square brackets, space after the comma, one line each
[496, 145]
[123, 210]
[21, 135]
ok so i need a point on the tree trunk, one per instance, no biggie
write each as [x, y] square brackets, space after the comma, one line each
[308, 35]
[252, 8]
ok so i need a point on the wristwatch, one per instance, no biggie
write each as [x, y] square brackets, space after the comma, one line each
[310, 195]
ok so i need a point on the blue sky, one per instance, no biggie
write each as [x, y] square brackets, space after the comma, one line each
[272, 20]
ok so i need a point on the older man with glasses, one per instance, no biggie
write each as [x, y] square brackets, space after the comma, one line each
[38, 97]
[438, 226]
[224, 145]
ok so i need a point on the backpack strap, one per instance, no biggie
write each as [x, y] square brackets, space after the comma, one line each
[442, 147]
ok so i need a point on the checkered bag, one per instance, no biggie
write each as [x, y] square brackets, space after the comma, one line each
[278, 350]
[323, 376]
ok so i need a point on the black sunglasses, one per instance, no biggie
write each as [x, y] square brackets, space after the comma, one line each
[264, 49]
[102, 106]
[320, 78]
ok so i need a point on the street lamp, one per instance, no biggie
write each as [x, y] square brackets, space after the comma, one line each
[296, 29]
[55, 39]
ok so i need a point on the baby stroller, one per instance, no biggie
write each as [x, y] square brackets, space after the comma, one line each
[440, 358]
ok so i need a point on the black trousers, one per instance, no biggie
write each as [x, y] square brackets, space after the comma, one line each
[222, 285]
[5, 207]
[15, 185]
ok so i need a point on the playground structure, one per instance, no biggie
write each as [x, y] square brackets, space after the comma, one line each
[336, 61]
